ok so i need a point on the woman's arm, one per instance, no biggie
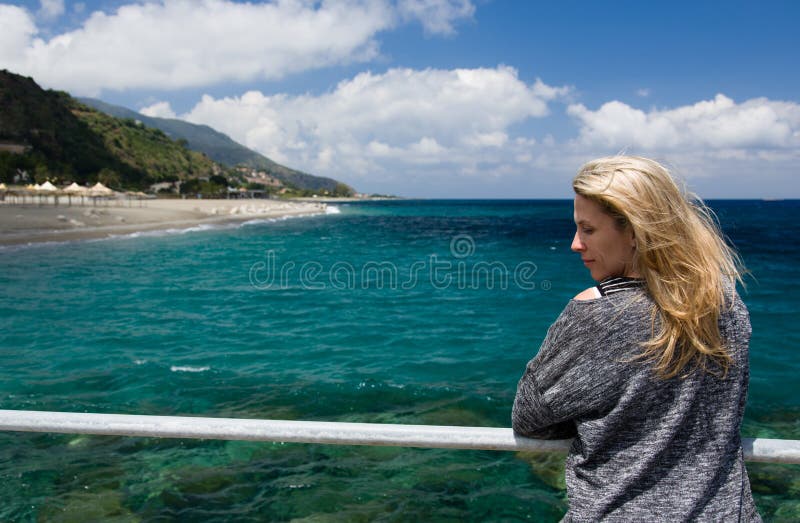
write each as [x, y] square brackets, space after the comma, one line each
[532, 418]
[572, 376]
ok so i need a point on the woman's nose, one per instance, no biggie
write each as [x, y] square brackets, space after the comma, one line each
[577, 244]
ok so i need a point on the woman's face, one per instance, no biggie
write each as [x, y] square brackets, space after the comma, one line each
[604, 249]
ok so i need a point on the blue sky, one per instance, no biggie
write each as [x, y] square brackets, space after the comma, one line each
[446, 98]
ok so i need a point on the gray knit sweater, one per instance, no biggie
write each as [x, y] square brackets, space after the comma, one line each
[645, 449]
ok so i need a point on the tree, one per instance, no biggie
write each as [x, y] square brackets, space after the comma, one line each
[9, 163]
[342, 190]
[41, 173]
[109, 178]
[190, 186]
[218, 179]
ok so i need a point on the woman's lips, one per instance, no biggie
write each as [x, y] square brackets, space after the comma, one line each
[586, 262]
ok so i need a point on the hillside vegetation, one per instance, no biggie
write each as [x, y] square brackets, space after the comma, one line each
[48, 135]
[147, 149]
[58, 143]
[222, 149]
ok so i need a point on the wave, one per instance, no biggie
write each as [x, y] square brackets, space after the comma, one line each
[19, 246]
[258, 221]
[167, 232]
[189, 368]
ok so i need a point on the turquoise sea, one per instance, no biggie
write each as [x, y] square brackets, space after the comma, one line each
[421, 312]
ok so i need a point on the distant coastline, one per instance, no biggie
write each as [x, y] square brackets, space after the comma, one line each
[33, 223]
[342, 199]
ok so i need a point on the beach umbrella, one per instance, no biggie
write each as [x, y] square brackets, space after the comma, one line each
[29, 190]
[99, 189]
[141, 196]
[132, 195]
[75, 190]
[47, 187]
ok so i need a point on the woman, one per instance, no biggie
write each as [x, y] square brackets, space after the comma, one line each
[648, 370]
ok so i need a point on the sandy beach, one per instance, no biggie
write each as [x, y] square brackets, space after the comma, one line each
[31, 223]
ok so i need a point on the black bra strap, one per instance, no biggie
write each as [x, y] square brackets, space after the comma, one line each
[618, 284]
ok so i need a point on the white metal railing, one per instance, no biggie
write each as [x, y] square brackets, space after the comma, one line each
[432, 436]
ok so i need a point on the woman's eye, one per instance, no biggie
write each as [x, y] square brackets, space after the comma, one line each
[588, 231]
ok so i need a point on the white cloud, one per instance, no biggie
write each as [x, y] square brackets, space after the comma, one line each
[16, 30]
[549, 92]
[436, 16]
[492, 139]
[51, 8]
[644, 92]
[382, 124]
[173, 44]
[158, 110]
[713, 125]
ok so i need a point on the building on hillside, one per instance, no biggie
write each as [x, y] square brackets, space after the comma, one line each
[255, 176]
[162, 187]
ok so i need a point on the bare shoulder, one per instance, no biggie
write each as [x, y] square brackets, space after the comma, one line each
[588, 294]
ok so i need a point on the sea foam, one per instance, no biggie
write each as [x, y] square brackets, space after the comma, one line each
[188, 368]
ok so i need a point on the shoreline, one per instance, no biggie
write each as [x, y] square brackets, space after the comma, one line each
[31, 223]
[345, 199]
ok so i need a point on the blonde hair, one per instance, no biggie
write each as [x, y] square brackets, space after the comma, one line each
[681, 254]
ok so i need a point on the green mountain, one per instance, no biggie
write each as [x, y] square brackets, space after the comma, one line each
[220, 148]
[50, 135]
